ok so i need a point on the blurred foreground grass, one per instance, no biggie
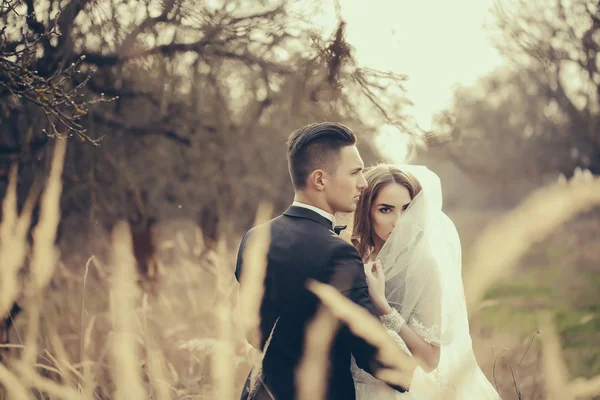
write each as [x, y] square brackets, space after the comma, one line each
[91, 333]
[559, 275]
[564, 279]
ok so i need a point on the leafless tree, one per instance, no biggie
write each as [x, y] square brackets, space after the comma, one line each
[503, 131]
[540, 116]
[205, 95]
[37, 102]
[558, 44]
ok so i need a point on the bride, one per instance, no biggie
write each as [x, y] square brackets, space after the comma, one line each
[412, 258]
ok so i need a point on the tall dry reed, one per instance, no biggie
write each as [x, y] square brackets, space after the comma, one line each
[125, 344]
[161, 353]
[504, 241]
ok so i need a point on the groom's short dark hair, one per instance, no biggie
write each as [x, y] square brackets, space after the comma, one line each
[316, 146]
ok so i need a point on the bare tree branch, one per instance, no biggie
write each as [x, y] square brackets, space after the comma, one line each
[149, 22]
[141, 130]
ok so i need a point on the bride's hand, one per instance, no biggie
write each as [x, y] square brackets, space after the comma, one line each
[376, 282]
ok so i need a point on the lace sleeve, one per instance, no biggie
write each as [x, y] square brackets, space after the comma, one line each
[430, 334]
[392, 323]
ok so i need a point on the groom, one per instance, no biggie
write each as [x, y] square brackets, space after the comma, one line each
[326, 170]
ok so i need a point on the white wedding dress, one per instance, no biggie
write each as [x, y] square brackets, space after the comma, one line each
[422, 266]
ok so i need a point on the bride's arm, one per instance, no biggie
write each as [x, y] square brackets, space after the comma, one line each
[426, 352]
[425, 349]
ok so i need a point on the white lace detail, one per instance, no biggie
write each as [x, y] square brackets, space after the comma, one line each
[443, 385]
[393, 321]
[430, 334]
[398, 340]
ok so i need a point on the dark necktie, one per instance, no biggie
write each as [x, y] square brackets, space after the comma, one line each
[338, 228]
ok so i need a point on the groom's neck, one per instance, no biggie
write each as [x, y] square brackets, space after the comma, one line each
[313, 199]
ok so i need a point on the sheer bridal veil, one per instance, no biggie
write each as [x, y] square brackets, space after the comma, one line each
[422, 265]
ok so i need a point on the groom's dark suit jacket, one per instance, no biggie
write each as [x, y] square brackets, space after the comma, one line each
[303, 246]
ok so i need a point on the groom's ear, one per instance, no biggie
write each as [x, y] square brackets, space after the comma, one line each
[317, 179]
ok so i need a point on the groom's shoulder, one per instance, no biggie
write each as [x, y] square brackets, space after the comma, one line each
[271, 227]
[311, 234]
[341, 248]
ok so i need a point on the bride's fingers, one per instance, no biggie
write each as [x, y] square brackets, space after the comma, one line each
[370, 275]
[378, 266]
[373, 266]
[368, 272]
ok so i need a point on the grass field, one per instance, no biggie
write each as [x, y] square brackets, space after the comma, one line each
[88, 331]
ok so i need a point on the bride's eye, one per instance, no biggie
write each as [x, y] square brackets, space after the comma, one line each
[385, 210]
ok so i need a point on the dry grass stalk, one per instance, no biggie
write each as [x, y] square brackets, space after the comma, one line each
[125, 352]
[400, 366]
[67, 372]
[156, 372]
[44, 252]
[501, 244]
[256, 371]
[223, 378]
[13, 242]
[253, 276]
[9, 206]
[585, 388]
[155, 361]
[199, 242]
[251, 290]
[88, 383]
[30, 377]
[556, 374]
[312, 372]
[13, 247]
[30, 351]
[12, 384]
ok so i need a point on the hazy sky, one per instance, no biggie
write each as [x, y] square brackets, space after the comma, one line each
[437, 43]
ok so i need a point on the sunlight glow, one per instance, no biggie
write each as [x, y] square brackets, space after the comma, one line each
[438, 44]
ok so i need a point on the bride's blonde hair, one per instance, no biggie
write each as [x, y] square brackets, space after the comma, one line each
[377, 178]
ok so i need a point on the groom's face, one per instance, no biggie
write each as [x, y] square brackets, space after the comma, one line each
[346, 183]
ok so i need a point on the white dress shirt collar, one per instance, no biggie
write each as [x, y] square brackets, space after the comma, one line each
[317, 210]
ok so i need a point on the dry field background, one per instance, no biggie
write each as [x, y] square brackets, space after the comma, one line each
[88, 331]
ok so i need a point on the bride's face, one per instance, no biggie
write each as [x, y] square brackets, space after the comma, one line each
[391, 201]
